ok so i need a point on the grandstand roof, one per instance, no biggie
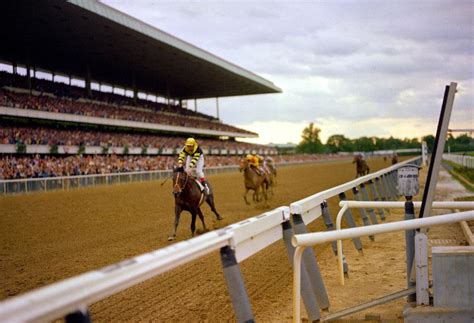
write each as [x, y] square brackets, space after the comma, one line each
[77, 36]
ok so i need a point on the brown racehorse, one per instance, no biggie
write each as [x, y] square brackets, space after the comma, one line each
[253, 181]
[188, 197]
[361, 166]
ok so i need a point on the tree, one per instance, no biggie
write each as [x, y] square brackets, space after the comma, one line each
[310, 142]
[430, 139]
[337, 143]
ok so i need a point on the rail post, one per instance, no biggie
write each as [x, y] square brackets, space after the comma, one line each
[328, 222]
[373, 190]
[235, 286]
[330, 227]
[410, 245]
[80, 316]
[386, 186]
[365, 197]
[307, 292]
[362, 213]
[421, 259]
[311, 265]
[351, 223]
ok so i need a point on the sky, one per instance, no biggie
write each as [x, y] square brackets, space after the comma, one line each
[357, 68]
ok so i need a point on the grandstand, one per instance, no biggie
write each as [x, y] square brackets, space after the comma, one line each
[86, 89]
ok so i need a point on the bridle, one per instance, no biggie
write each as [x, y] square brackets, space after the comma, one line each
[177, 189]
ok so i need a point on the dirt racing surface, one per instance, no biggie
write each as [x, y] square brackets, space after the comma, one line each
[46, 237]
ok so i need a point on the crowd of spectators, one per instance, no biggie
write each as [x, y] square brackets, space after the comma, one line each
[12, 134]
[90, 109]
[63, 90]
[59, 97]
[15, 167]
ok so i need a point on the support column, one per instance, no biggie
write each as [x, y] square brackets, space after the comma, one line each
[330, 227]
[307, 292]
[217, 108]
[410, 245]
[88, 81]
[421, 259]
[351, 223]
[373, 190]
[328, 222]
[235, 286]
[311, 265]
[80, 316]
[365, 196]
[362, 213]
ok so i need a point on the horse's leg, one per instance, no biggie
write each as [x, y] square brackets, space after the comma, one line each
[177, 214]
[193, 222]
[201, 217]
[245, 196]
[210, 201]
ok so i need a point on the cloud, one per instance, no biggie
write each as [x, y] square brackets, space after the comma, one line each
[358, 68]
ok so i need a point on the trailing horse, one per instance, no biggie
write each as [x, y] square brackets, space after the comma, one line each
[362, 168]
[254, 181]
[188, 196]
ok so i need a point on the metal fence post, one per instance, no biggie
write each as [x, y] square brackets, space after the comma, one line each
[330, 226]
[328, 222]
[235, 286]
[311, 265]
[375, 195]
[362, 213]
[365, 196]
[410, 245]
[386, 186]
[307, 292]
[421, 259]
[80, 316]
[350, 221]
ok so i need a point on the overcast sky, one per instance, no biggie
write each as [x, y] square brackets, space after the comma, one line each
[358, 68]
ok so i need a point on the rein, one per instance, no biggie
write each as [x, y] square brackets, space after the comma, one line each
[180, 189]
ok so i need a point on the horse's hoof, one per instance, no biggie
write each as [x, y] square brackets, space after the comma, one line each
[220, 218]
[171, 238]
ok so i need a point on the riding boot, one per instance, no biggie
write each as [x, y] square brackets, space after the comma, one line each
[206, 187]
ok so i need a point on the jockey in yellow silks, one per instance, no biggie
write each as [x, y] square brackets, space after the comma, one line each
[192, 157]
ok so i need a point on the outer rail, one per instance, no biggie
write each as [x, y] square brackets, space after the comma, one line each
[301, 241]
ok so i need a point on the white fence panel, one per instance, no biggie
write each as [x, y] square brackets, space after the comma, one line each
[463, 160]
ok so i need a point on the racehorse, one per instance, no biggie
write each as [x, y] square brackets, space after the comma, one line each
[253, 181]
[361, 166]
[188, 197]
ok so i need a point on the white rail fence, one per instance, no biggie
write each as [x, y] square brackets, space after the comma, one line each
[302, 241]
[27, 185]
[463, 160]
[235, 242]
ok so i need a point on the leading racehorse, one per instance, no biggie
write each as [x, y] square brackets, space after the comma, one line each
[188, 196]
[362, 168]
[253, 181]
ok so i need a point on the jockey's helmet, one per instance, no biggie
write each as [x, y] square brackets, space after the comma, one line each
[249, 157]
[190, 145]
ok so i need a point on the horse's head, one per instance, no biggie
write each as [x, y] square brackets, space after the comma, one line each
[244, 163]
[180, 178]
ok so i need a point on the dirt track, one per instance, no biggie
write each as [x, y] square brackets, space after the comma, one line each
[46, 237]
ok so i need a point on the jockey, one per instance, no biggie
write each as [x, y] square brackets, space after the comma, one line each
[263, 164]
[254, 162]
[192, 157]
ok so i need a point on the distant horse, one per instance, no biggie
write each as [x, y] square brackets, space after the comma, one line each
[253, 181]
[188, 197]
[272, 169]
[394, 159]
[361, 166]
